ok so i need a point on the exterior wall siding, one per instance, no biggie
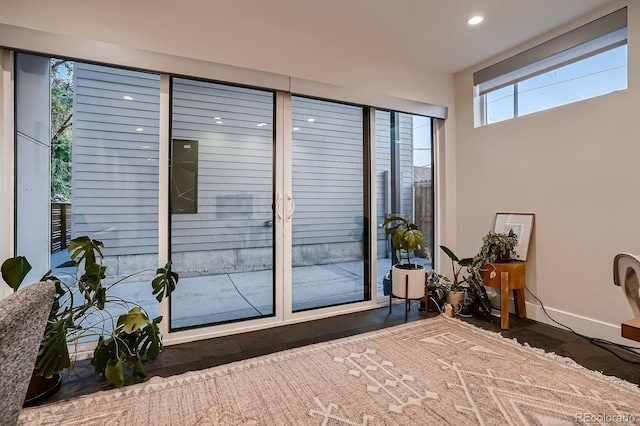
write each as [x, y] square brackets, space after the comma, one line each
[115, 165]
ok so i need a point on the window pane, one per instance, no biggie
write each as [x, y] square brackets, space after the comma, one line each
[224, 251]
[328, 189]
[500, 105]
[115, 173]
[415, 183]
[96, 130]
[594, 76]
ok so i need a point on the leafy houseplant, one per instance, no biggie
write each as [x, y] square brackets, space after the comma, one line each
[81, 310]
[405, 237]
[497, 247]
[474, 288]
[437, 286]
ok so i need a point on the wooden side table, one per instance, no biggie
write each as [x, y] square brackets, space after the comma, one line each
[508, 276]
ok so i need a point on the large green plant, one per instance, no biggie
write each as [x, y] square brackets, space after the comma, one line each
[405, 235]
[474, 285]
[84, 309]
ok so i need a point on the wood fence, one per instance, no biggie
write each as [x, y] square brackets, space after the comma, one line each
[60, 226]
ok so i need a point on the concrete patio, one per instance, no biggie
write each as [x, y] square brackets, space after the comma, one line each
[230, 297]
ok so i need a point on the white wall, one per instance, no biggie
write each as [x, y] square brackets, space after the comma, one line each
[575, 167]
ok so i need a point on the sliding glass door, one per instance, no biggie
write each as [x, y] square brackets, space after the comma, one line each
[329, 249]
[222, 187]
[228, 215]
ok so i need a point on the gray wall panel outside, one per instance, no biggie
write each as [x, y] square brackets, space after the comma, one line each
[235, 166]
[115, 168]
[327, 154]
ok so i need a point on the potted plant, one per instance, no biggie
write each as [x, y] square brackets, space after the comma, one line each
[82, 309]
[437, 288]
[407, 279]
[496, 247]
[456, 293]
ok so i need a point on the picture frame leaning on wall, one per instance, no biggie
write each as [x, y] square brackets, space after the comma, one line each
[522, 225]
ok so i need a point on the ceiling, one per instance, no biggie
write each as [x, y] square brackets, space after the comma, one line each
[430, 34]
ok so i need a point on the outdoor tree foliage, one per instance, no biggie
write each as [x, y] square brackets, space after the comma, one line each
[61, 126]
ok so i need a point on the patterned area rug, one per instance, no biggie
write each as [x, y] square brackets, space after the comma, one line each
[431, 372]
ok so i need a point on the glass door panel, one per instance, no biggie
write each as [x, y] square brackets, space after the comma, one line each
[404, 149]
[328, 226]
[222, 221]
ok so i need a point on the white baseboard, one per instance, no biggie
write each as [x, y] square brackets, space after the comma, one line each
[586, 326]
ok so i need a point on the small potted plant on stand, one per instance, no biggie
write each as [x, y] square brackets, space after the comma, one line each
[407, 279]
[496, 248]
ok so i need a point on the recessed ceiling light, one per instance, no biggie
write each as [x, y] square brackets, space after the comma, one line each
[311, 120]
[262, 124]
[219, 122]
[217, 118]
[127, 98]
[140, 129]
[475, 20]
[146, 146]
[296, 128]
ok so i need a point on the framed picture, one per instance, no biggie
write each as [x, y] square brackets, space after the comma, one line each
[521, 224]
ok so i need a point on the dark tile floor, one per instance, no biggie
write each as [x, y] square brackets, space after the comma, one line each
[208, 353]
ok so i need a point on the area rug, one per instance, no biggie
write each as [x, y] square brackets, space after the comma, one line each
[435, 371]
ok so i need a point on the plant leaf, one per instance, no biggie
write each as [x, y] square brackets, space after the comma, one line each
[450, 254]
[115, 373]
[138, 370]
[54, 354]
[466, 261]
[93, 275]
[164, 282]
[133, 320]
[84, 248]
[392, 219]
[412, 239]
[14, 270]
[150, 340]
[104, 353]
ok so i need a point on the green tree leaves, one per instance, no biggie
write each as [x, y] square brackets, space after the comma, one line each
[61, 127]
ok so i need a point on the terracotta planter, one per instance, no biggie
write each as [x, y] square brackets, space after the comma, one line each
[416, 275]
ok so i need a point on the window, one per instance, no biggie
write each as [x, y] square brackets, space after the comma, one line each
[403, 183]
[87, 164]
[584, 63]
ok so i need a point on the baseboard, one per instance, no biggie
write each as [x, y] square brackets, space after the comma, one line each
[580, 324]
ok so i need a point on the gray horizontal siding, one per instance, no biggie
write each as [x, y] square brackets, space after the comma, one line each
[115, 167]
[235, 158]
[327, 158]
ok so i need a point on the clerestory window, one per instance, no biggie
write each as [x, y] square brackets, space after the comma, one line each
[584, 63]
